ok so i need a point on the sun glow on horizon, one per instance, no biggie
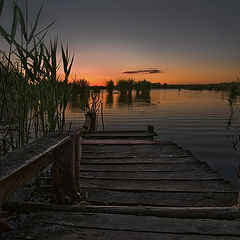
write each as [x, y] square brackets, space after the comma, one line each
[186, 71]
[175, 77]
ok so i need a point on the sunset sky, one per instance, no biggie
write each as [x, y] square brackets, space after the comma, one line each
[188, 41]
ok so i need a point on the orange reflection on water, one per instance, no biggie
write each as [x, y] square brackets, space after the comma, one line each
[160, 103]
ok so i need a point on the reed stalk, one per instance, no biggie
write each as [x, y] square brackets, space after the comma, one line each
[33, 98]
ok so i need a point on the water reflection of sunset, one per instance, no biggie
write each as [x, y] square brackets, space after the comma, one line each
[169, 101]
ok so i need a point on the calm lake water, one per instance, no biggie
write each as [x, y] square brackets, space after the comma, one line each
[195, 120]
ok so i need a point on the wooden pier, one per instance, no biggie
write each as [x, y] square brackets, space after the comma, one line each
[131, 188]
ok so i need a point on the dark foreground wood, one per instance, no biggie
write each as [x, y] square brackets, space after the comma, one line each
[60, 148]
[19, 167]
[106, 226]
[137, 189]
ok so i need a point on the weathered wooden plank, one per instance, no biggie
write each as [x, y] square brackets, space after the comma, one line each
[37, 231]
[117, 136]
[120, 135]
[158, 185]
[141, 223]
[166, 180]
[119, 131]
[152, 198]
[100, 142]
[109, 156]
[144, 147]
[172, 212]
[132, 160]
[181, 199]
[191, 175]
[141, 152]
[132, 149]
[124, 151]
[144, 167]
[120, 155]
[13, 161]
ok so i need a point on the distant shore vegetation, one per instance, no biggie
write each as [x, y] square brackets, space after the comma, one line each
[126, 86]
[212, 86]
[143, 87]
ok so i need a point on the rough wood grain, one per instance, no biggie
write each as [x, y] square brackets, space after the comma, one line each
[19, 167]
[141, 223]
[63, 232]
[138, 189]
[144, 167]
[182, 199]
[101, 142]
[20, 158]
[64, 181]
[120, 135]
[78, 156]
[144, 151]
[158, 185]
[191, 175]
[135, 148]
[168, 212]
[130, 160]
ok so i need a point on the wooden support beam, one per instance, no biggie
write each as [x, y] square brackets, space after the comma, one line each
[78, 153]
[64, 183]
[90, 122]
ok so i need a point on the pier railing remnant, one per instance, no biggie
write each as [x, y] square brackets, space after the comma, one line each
[61, 148]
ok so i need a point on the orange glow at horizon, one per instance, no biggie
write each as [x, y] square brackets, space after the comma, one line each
[108, 62]
[172, 72]
[193, 76]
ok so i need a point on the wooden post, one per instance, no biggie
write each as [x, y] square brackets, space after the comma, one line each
[64, 185]
[87, 123]
[91, 121]
[150, 129]
[238, 204]
[78, 153]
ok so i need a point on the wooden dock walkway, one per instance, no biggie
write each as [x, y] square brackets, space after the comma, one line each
[137, 189]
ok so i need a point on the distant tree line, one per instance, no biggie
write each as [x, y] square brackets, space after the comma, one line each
[127, 86]
[81, 88]
[213, 86]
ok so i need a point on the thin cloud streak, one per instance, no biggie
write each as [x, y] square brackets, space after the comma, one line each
[146, 71]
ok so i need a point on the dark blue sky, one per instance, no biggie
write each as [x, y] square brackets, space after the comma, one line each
[189, 40]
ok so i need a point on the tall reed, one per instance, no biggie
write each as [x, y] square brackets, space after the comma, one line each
[33, 97]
